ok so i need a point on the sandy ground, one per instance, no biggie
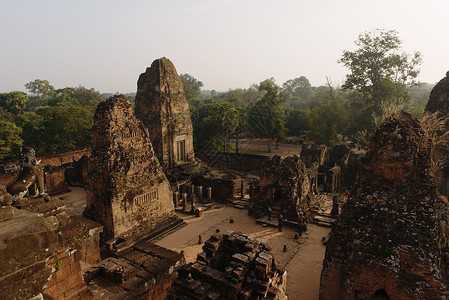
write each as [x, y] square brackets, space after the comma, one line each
[75, 201]
[303, 259]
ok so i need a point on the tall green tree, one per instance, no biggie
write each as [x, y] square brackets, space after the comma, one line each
[192, 86]
[326, 120]
[379, 70]
[40, 88]
[267, 117]
[75, 96]
[214, 122]
[14, 102]
[10, 140]
[301, 91]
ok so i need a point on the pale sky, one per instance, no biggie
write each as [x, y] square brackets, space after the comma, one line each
[226, 44]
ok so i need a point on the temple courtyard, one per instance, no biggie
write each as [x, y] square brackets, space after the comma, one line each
[303, 259]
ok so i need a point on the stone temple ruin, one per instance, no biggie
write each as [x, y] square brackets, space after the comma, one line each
[42, 247]
[391, 240]
[231, 266]
[438, 106]
[162, 106]
[285, 186]
[128, 192]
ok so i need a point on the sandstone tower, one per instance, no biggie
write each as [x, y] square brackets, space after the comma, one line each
[127, 190]
[391, 241]
[162, 106]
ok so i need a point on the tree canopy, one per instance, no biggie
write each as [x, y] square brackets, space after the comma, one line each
[379, 70]
[192, 86]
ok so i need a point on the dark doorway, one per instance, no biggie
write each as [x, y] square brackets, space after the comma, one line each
[380, 295]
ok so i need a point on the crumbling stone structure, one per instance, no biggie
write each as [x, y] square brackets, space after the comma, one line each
[438, 105]
[311, 153]
[162, 106]
[391, 240]
[232, 266]
[42, 249]
[128, 192]
[286, 186]
[143, 271]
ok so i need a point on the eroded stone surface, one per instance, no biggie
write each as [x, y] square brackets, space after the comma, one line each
[128, 193]
[232, 266]
[391, 238]
[161, 105]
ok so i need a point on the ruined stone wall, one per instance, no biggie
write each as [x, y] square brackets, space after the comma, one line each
[161, 105]
[391, 237]
[239, 162]
[311, 153]
[54, 178]
[127, 191]
[54, 159]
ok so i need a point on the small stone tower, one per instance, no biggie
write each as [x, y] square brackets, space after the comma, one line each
[162, 106]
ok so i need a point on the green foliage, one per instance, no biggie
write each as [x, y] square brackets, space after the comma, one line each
[301, 91]
[244, 98]
[327, 116]
[6, 115]
[41, 89]
[267, 118]
[214, 121]
[192, 86]
[297, 121]
[10, 140]
[75, 96]
[14, 102]
[59, 128]
[379, 71]
[57, 263]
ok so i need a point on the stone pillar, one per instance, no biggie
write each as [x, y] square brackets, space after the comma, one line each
[176, 198]
[193, 202]
[199, 192]
[184, 199]
[209, 194]
[192, 189]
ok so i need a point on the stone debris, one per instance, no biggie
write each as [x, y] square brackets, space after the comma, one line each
[162, 106]
[144, 271]
[391, 239]
[127, 192]
[232, 266]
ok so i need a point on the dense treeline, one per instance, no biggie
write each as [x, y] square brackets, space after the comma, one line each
[48, 119]
[380, 77]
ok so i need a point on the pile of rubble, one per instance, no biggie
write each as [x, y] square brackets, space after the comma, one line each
[232, 266]
[391, 239]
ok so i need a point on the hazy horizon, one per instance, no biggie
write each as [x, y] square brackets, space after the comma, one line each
[229, 44]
